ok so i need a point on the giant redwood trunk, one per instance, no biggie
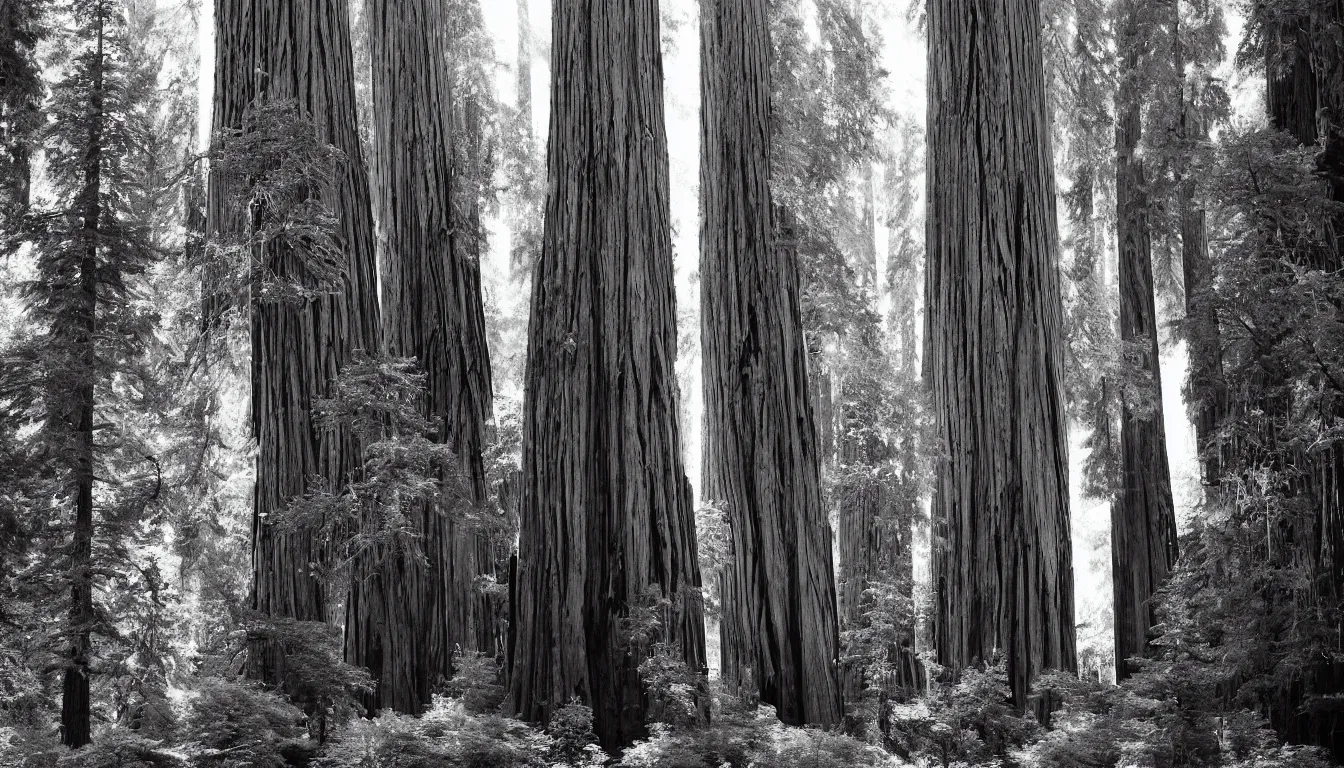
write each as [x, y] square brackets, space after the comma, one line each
[607, 526]
[1143, 518]
[779, 629]
[276, 50]
[994, 347]
[1305, 98]
[407, 617]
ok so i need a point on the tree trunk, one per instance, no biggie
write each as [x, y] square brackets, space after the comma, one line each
[76, 730]
[523, 78]
[273, 50]
[1305, 98]
[779, 629]
[1143, 518]
[607, 525]
[21, 93]
[994, 347]
[407, 618]
[1207, 391]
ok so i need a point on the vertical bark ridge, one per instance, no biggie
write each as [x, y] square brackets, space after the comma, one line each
[605, 509]
[1002, 560]
[1143, 517]
[275, 50]
[407, 618]
[779, 629]
[1207, 390]
[1304, 98]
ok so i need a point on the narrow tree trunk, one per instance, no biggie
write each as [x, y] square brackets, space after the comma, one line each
[994, 347]
[20, 94]
[273, 50]
[521, 156]
[407, 618]
[75, 700]
[523, 78]
[1207, 391]
[1143, 518]
[868, 267]
[780, 632]
[607, 526]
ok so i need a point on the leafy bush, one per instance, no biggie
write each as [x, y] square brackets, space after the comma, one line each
[970, 722]
[476, 681]
[449, 736]
[120, 748]
[239, 725]
[738, 738]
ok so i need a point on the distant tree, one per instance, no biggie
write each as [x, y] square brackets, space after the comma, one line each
[1198, 48]
[1143, 516]
[22, 26]
[1002, 557]
[607, 566]
[779, 626]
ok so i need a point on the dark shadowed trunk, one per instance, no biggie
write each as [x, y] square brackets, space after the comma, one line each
[779, 629]
[1143, 518]
[607, 525]
[1305, 98]
[407, 618]
[1002, 561]
[1207, 391]
[275, 50]
[76, 722]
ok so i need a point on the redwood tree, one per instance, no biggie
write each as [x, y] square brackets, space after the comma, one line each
[607, 538]
[406, 617]
[779, 627]
[271, 52]
[1002, 561]
[1143, 518]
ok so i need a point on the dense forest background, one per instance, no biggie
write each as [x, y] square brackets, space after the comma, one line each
[682, 384]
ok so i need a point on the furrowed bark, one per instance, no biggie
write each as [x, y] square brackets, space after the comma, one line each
[277, 50]
[605, 508]
[76, 721]
[1207, 391]
[1002, 560]
[1143, 518]
[779, 629]
[407, 619]
[1305, 98]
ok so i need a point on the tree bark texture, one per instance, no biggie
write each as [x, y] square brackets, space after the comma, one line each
[1305, 98]
[1143, 518]
[273, 50]
[80, 335]
[779, 629]
[994, 347]
[1207, 390]
[406, 618]
[607, 525]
